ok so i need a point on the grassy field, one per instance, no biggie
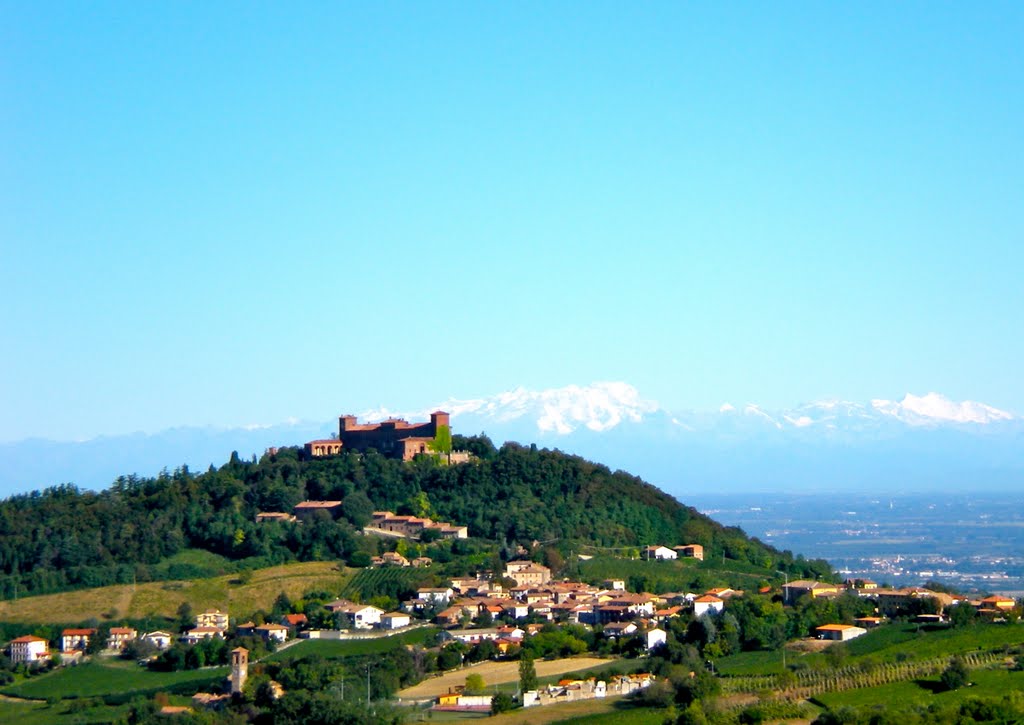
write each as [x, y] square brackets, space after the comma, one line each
[759, 662]
[334, 649]
[496, 673]
[95, 680]
[163, 598]
[986, 683]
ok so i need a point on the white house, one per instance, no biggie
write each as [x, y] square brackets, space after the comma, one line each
[160, 640]
[436, 595]
[655, 637]
[395, 620]
[28, 649]
[660, 552]
[197, 634]
[470, 636]
[619, 629]
[707, 603]
[360, 616]
[276, 632]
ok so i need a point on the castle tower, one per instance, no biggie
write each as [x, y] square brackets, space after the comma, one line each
[239, 668]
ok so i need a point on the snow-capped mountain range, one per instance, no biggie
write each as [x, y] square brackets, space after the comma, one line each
[920, 441]
[603, 406]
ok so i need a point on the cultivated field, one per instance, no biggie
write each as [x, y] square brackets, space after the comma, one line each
[496, 673]
[163, 598]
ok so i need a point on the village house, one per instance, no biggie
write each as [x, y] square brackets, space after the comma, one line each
[655, 638]
[617, 585]
[422, 562]
[792, 591]
[395, 620]
[412, 527]
[197, 634]
[359, 616]
[690, 551]
[998, 602]
[469, 636]
[28, 649]
[295, 621]
[619, 629]
[160, 640]
[393, 558]
[659, 553]
[436, 595]
[305, 510]
[527, 573]
[707, 603]
[72, 640]
[276, 632]
[212, 618]
[839, 632]
[120, 636]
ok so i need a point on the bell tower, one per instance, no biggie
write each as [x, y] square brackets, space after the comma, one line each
[239, 668]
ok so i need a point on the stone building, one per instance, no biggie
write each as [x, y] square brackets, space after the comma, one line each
[394, 438]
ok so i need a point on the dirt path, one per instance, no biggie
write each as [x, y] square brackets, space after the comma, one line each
[495, 673]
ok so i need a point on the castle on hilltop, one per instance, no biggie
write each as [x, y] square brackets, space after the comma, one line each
[394, 437]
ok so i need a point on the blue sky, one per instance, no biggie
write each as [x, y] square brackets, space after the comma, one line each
[247, 212]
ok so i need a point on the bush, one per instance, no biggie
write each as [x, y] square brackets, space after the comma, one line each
[502, 702]
[956, 675]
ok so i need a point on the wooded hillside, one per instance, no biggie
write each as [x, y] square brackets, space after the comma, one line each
[64, 538]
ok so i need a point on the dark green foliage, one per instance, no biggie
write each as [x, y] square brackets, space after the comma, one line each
[956, 674]
[527, 673]
[502, 702]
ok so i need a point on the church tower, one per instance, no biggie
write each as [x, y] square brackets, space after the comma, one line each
[239, 668]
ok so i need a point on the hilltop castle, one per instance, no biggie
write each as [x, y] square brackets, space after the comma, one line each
[394, 437]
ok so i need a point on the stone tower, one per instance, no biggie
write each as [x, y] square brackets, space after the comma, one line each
[239, 668]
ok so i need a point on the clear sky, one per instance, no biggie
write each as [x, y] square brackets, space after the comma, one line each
[237, 212]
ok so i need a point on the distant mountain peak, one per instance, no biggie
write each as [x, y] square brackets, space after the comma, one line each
[598, 407]
[933, 408]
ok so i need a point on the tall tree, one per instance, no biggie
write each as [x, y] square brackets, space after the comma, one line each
[527, 673]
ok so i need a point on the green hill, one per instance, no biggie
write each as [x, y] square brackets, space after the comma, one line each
[139, 529]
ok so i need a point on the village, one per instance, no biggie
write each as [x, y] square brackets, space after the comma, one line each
[493, 613]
